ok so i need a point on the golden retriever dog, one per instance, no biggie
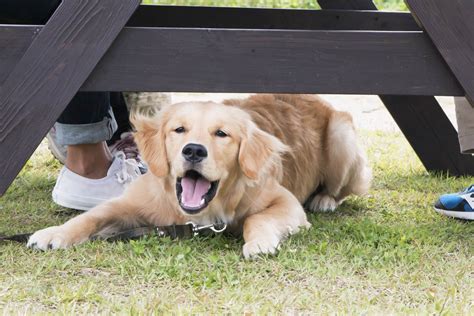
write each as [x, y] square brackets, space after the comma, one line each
[247, 163]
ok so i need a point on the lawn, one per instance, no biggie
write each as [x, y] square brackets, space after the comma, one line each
[388, 252]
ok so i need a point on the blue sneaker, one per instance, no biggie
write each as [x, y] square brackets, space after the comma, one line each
[459, 205]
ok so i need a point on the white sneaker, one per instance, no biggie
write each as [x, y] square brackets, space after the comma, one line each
[126, 143]
[80, 193]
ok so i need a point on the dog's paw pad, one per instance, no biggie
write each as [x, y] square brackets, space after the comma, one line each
[323, 203]
[254, 248]
[49, 238]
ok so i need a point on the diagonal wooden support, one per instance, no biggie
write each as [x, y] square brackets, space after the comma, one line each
[51, 72]
[430, 133]
[450, 24]
[421, 119]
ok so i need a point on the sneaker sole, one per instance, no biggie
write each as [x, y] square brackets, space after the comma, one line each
[461, 215]
[72, 204]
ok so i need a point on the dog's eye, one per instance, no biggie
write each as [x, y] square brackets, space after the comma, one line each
[220, 133]
[180, 130]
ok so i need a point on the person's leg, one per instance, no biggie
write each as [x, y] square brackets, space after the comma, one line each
[121, 114]
[84, 127]
[91, 174]
[122, 103]
[91, 161]
[80, 109]
[461, 204]
[465, 119]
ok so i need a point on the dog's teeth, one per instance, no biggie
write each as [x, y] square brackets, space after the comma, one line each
[203, 201]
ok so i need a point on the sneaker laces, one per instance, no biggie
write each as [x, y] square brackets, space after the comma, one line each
[469, 189]
[130, 169]
[127, 145]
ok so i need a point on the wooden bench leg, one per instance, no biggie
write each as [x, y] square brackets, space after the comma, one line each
[51, 72]
[430, 133]
[449, 24]
[421, 119]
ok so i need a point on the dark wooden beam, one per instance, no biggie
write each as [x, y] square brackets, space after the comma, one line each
[51, 72]
[27, 11]
[252, 18]
[13, 44]
[37, 12]
[421, 119]
[430, 133]
[209, 60]
[216, 60]
[450, 24]
[347, 4]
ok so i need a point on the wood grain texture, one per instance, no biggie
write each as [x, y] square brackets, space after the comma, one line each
[37, 12]
[212, 60]
[50, 73]
[450, 24]
[421, 119]
[13, 44]
[430, 133]
[253, 18]
[219, 60]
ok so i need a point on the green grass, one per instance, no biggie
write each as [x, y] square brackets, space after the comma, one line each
[303, 4]
[388, 252]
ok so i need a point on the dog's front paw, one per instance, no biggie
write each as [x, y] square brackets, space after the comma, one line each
[54, 237]
[262, 246]
[323, 203]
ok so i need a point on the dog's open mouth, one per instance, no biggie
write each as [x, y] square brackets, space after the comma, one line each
[194, 191]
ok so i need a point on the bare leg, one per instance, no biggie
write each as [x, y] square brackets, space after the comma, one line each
[465, 119]
[89, 160]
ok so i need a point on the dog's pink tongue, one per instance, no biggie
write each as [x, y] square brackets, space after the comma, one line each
[193, 191]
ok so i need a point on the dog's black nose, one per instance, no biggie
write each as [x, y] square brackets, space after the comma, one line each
[194, 152]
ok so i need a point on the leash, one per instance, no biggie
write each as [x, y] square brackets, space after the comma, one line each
[185, 231]
[23, 238]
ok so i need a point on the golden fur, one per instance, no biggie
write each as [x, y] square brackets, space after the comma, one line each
[279, 150]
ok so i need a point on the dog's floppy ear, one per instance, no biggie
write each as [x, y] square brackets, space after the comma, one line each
[150, 139]
[260, 153]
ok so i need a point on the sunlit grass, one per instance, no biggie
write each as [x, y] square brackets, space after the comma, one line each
[388, 252]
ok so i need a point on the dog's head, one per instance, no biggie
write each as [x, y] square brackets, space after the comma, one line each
[203, 146]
